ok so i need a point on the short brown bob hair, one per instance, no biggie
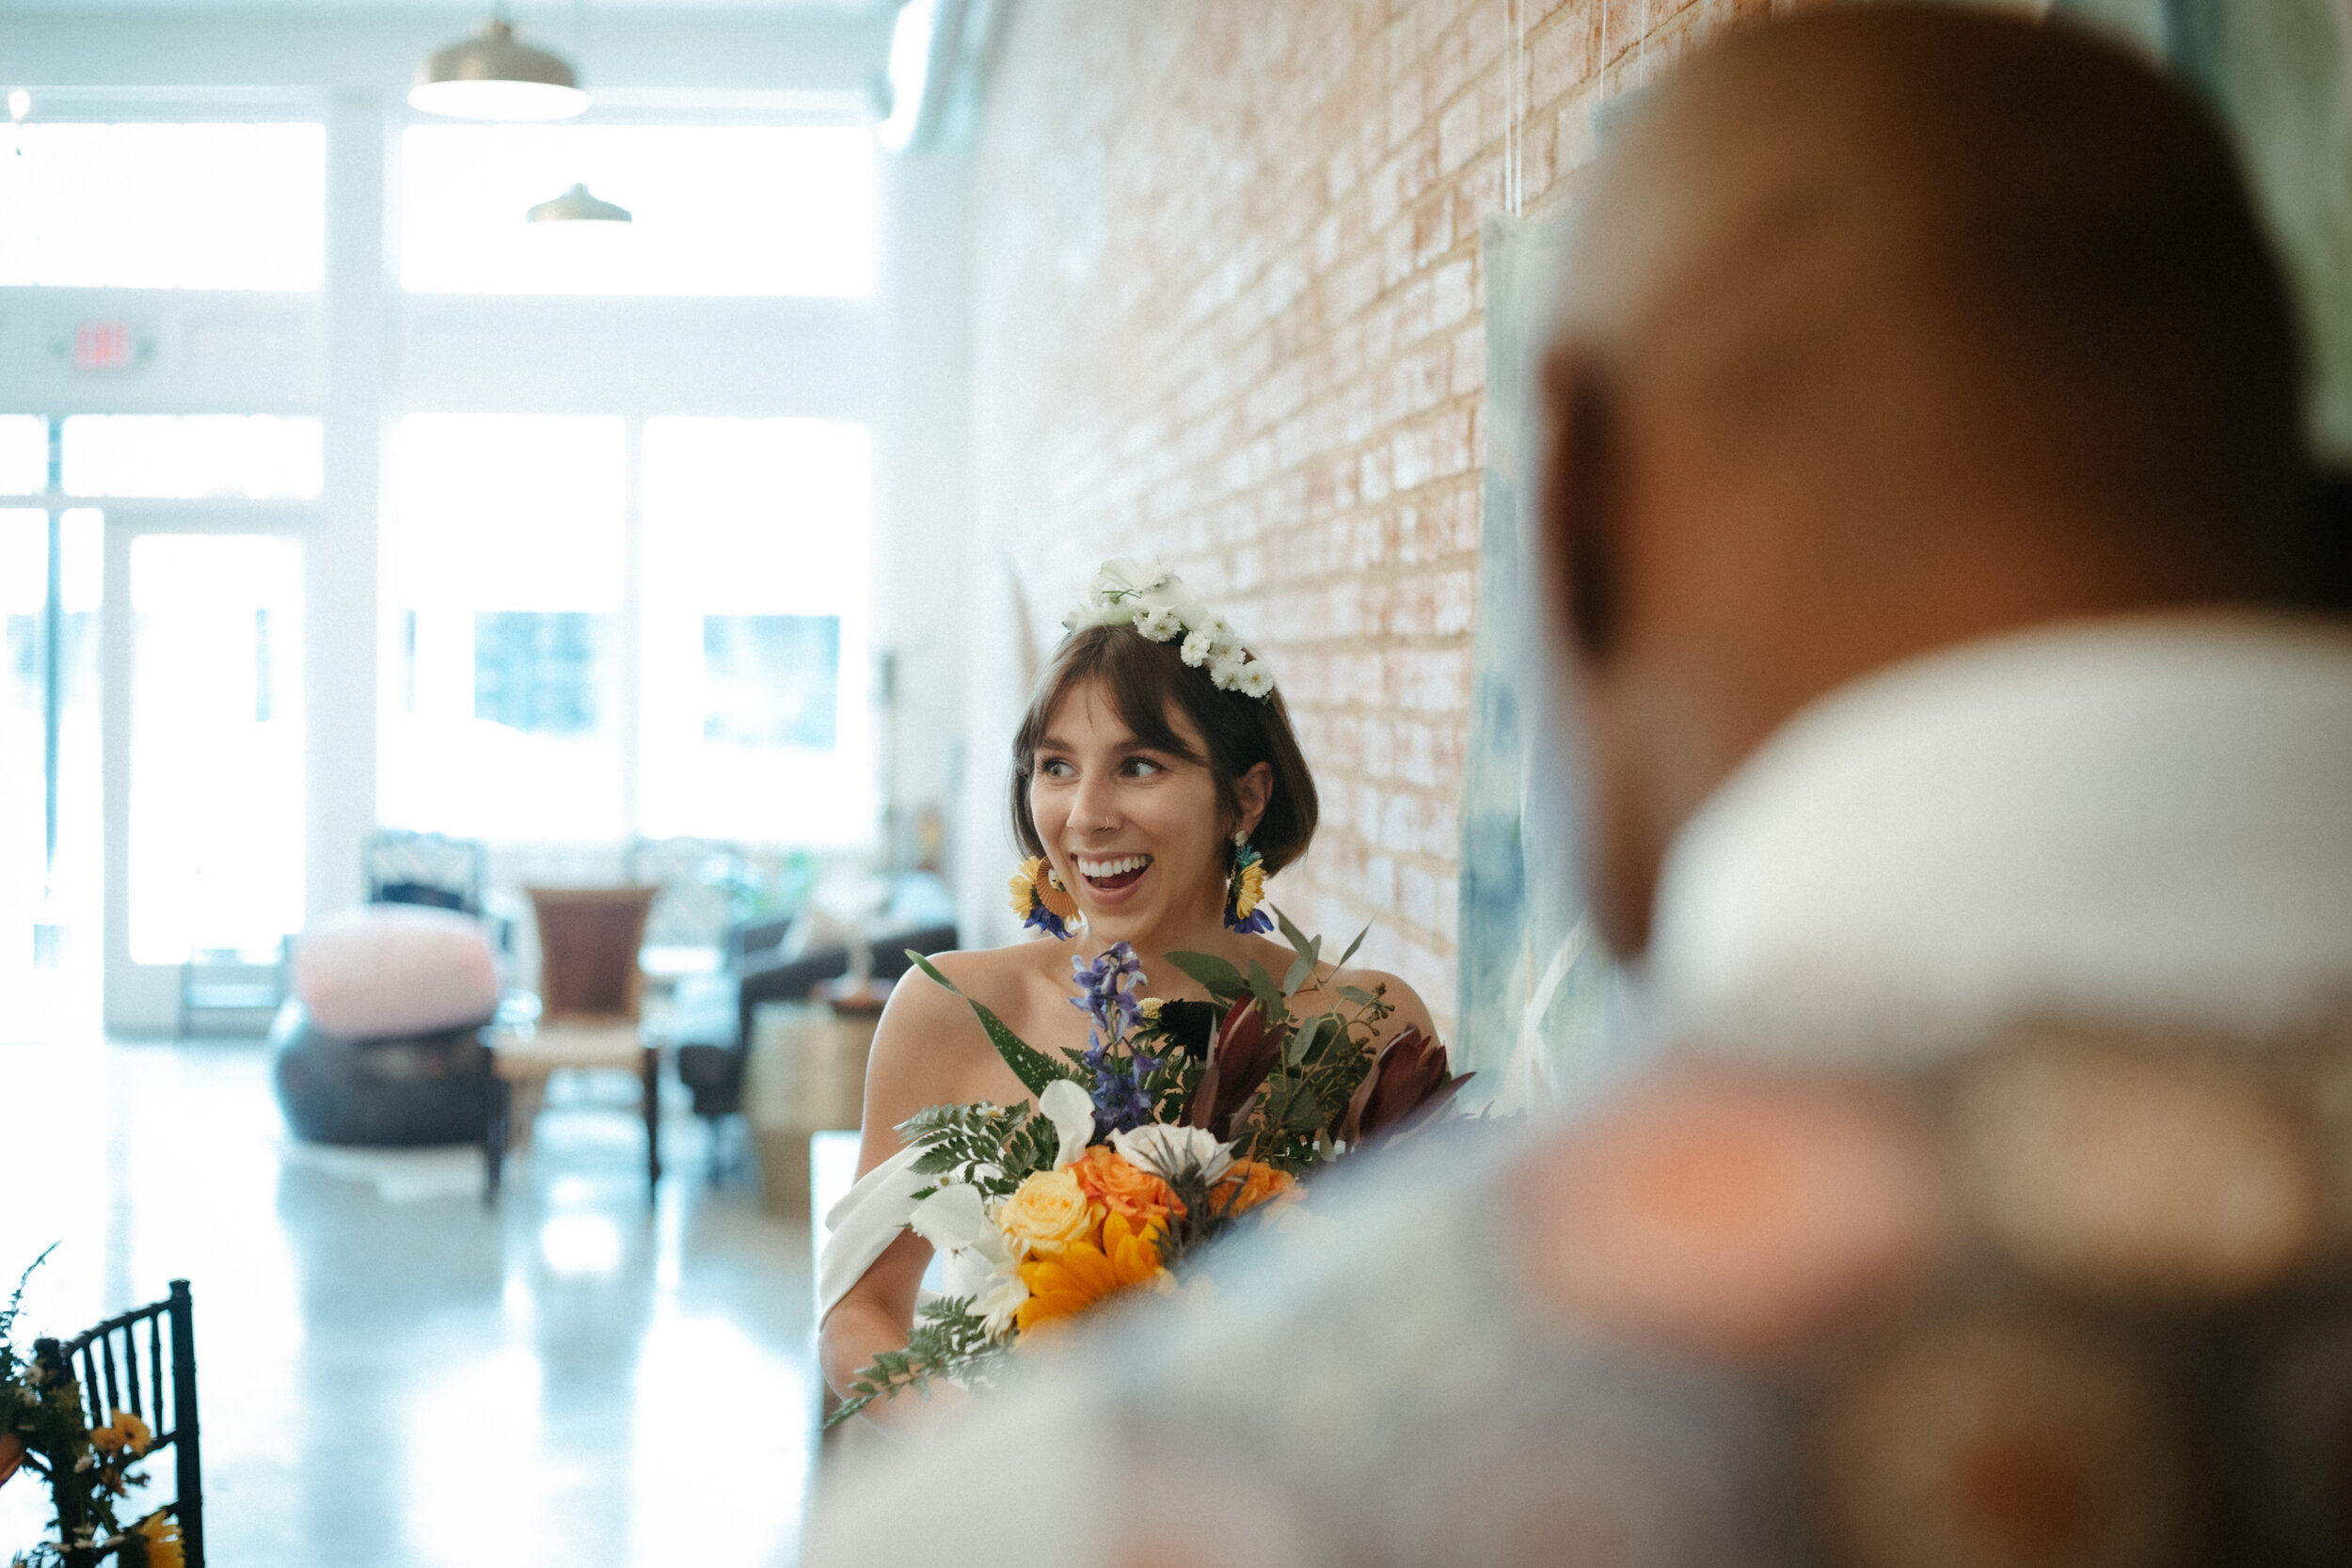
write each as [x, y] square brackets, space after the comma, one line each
[1146, 682]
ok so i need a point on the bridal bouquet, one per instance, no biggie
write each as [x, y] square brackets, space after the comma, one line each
[1177, 1122]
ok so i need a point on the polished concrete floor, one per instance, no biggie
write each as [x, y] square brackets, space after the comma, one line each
[393, 1377]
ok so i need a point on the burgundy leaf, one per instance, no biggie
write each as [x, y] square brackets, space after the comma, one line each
[1242, 1057]
[1411, 1067]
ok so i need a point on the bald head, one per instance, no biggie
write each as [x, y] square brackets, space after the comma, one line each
[1885, 328]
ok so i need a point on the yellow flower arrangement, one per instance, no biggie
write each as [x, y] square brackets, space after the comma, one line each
[1047, 1214]
[1085, 1273]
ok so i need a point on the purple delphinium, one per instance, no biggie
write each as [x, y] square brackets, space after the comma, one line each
[1107, 993]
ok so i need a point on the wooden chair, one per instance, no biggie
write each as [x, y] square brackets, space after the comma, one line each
[591, 992]
[111, 1372]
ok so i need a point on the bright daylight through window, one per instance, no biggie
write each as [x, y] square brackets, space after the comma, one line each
[216, 806]
[718, 209]
[193, 457]
[515, 709]
[24, 454]
[755, 631]
[164, 206]
[503, 566]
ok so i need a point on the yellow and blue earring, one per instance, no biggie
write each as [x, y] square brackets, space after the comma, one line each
[1244, 890]
[1040, 901]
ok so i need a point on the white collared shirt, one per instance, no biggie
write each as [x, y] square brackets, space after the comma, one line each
[2146, 819]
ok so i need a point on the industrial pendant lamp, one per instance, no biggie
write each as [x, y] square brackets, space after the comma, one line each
[577, 206]
[490, 76]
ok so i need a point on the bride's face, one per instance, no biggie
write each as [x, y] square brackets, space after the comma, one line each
[1138, 834]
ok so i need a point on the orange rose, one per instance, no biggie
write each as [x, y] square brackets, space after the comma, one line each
[1123, 1188]
[1250, 1182]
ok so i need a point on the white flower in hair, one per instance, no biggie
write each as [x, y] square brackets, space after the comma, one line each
[1121, 589]
[1161, 623]
[1155, 601]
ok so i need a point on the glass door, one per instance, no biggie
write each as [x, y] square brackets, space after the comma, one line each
[204, 765]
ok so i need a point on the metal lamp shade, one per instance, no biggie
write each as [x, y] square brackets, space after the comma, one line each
[490, 76]
[577, 206]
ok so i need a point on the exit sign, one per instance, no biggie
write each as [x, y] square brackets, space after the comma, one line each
[104, 346]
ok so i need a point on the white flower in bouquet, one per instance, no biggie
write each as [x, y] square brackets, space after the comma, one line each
[995, 1284]
[975, 1260]
[953, 1218]
[1071, 1109]
[1168, 1151]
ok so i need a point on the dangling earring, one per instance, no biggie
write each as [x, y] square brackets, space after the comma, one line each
[1244, 890]
[1040, 901]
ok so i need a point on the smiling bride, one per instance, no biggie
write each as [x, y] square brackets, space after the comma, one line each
[1156, 785]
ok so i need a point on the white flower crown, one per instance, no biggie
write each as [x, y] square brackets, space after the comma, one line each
[1156, 603]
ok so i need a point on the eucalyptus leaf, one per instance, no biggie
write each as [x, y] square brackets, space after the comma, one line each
[1357, 994]
[1302, 968]
[1304, 1042]
[1291, 933]
[1218, 977]
[1269, 995]
[1352, 946]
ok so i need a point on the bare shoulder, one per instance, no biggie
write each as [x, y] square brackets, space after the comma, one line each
[921, 1011]
[928, 1048]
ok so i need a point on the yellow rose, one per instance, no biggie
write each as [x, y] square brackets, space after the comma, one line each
[1047, 1212]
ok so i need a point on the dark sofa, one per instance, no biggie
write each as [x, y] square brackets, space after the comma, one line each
[710, 1015]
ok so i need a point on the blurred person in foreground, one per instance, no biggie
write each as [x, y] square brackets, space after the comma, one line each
[1967, 749]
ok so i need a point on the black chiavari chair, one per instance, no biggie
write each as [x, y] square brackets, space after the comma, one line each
[144, 1361]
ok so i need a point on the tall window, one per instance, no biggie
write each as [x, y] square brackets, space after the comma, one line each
[755, 643]
[504, 564]
[718, 209]
[542, 688]
[164, 206]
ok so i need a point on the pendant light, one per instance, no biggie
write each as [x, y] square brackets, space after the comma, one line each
[577, 206]
[491, 76]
